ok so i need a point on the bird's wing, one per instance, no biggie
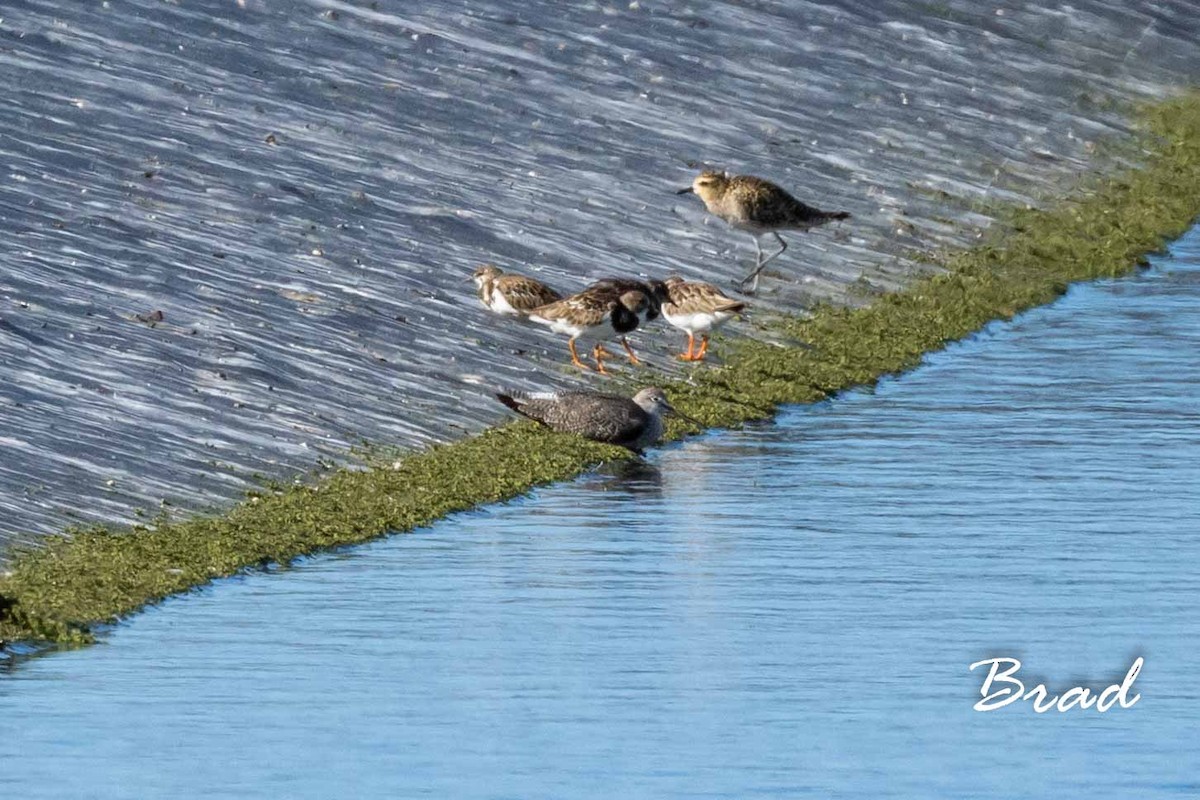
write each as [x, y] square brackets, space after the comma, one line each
[619, 285]
[586, 308]
[804, 215]
[603, 417]
[591, 307]
[700, 298]
[770, 205]
[526, 294]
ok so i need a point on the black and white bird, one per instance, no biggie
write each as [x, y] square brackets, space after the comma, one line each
[599, 314]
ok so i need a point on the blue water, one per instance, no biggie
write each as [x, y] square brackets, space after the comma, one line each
[786, 611]
[301, 187]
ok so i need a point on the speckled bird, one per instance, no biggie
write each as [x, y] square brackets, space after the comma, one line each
[510, 294]
[598, 314]
[635, 423]
[654, 291]
[697, 307]
[758, 207]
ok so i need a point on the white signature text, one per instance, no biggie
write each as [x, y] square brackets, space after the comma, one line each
[1000, 688]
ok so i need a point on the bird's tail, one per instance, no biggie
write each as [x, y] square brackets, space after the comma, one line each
[830, 216]
[514, 400]
[520, 402]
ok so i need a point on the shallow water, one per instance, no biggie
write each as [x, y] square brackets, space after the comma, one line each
[311, 285]
[784, 611]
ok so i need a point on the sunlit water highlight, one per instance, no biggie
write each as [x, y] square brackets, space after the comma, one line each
[785, 611]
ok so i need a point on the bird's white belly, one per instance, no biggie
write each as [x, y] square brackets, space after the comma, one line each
[699, 322]
[560, 326]
[500, 305]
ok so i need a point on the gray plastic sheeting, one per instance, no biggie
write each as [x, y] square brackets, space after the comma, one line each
[299, 189]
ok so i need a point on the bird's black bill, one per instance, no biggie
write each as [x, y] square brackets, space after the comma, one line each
[685, 190]
[684, 416]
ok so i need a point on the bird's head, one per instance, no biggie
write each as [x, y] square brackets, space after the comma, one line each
[654, 401]
[709, 185]
[486, 274]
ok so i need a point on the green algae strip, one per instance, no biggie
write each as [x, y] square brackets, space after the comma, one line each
[60, 590]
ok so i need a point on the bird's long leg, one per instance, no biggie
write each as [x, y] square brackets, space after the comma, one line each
[633, 359]
[597, 353]
[575, 356]
[688, 356]
[600, 351]
[762, 262]
[772, 257]
[782, 246]
[703, 347]
[752, 279]
[759, 263]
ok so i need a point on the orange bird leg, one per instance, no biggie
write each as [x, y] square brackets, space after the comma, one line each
[691, 348]
[703, 347]
[633, 359]
[600, 351]
[597, 352]
[575, 356]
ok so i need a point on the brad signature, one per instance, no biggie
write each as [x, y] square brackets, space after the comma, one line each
[1000, 688]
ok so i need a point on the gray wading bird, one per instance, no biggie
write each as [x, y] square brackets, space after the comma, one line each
[635, 423]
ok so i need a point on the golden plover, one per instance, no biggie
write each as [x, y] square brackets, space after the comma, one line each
[510, 294]
[635, 423]
[758, 207]
[597, 314]
[696, 307]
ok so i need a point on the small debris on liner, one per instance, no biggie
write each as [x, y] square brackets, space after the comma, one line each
[300, 297]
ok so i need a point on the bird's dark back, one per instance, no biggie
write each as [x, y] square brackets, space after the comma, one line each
[655, 291]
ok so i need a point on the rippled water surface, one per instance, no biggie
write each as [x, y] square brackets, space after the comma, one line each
[299, 187]
[785, 611]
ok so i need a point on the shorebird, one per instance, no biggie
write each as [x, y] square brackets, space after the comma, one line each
[597, 314]
[510, 294]
[758, 207]
[654, 291]
[696, 307]
[635, 423]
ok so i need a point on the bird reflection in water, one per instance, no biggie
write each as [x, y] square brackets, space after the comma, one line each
[634, 477]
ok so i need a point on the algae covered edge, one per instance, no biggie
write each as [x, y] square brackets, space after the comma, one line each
[60, 590]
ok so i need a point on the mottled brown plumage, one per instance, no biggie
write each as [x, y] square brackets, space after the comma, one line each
[758, 207]
[511, 294]
[697, 297]
[634, 422]
[655, 292]
[599, 313]
[697, 307]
